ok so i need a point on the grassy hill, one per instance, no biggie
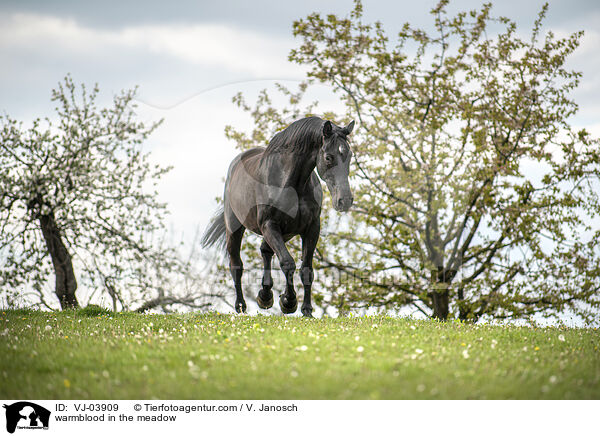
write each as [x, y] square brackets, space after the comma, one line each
[91, 354]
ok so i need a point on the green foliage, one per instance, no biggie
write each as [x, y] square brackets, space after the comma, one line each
[212, 356]
[474, 197]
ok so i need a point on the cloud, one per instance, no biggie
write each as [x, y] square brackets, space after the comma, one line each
[212, 45]
[187, 75]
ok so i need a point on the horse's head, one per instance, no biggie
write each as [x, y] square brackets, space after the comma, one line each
[333, 164]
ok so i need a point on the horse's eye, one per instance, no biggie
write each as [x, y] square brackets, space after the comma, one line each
[329, 159]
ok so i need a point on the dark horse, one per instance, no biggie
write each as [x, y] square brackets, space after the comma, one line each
[275, 193]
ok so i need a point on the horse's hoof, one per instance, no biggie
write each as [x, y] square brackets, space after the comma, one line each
[240, 306]
[307, 312]
[286, 305]
[264, 304]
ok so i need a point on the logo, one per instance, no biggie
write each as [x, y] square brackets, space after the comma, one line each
[26, 415]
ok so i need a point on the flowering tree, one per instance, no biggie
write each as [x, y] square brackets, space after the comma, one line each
[473, 194]
[77, 197]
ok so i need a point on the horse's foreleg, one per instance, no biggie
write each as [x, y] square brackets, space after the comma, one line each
[272, 234]
[309, 243]
[234, 243]
[265, 295]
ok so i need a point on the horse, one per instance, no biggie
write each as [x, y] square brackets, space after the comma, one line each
[275, 193]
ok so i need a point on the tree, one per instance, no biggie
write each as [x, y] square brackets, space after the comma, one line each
[81, 193]
[474, 196]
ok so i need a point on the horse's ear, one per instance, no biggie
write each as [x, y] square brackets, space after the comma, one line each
[327, 129]
[348, 129]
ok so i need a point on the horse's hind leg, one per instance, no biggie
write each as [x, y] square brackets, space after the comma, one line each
[265, 295]
[234, 243]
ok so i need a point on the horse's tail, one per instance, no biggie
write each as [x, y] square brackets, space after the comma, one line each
[215, 232]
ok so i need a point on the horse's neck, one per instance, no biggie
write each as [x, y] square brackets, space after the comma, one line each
[294, 169]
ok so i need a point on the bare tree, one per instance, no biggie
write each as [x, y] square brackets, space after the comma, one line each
[78, 198]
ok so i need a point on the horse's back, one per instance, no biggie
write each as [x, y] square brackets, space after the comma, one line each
[240, 190]
[249, 158]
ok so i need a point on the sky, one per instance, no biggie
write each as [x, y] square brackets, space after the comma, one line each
[189, 58]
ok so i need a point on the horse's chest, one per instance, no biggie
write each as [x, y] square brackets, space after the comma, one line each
[306, 214]
[293, 220]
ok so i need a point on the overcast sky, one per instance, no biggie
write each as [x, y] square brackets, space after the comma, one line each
[190, 58]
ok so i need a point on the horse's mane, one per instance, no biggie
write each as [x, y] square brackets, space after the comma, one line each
[300, 136]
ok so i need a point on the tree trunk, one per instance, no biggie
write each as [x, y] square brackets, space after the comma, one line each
[61, 259]
[440, 304]
[440, 281]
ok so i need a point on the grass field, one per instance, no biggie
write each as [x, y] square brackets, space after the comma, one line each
[89, 354]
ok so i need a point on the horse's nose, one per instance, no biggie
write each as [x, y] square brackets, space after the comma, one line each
[344, 203]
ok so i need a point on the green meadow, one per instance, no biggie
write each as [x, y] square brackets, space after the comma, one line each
[94, 354]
